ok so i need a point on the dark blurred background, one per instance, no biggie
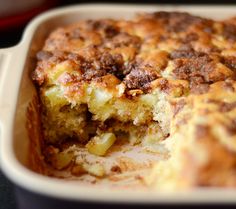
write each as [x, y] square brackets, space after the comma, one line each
[14, 16]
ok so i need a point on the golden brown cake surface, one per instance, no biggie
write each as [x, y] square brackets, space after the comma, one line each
[160, 79]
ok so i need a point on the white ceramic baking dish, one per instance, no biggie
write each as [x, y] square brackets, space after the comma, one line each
[17, 90]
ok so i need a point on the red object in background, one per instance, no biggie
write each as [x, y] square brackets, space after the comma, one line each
[20, 18]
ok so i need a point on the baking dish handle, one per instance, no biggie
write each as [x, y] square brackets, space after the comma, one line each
[4, 60]
[6, 55]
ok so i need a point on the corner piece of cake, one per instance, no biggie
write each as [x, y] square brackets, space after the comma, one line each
[162, 79]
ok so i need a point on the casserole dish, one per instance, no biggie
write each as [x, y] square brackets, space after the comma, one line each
[17, 92]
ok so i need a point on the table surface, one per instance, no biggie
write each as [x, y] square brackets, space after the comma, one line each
[7, 200]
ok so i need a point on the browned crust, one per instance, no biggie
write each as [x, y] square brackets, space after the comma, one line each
[117, 47]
